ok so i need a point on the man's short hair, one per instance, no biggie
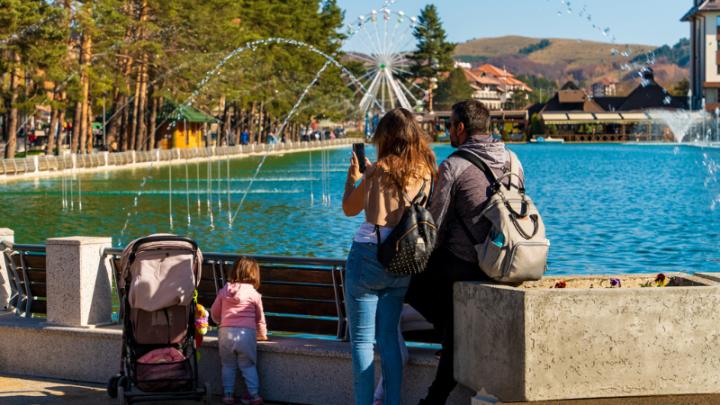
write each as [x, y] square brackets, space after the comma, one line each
[473, 114]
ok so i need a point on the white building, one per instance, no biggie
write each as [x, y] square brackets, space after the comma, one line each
[604, 88]
[487, 90]
[704, 19]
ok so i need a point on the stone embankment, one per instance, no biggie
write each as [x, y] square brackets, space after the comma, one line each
[44, 166]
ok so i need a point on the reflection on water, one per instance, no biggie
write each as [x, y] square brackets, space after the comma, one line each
[608, 208]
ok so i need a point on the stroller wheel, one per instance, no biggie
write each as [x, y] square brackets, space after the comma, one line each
[112, 387]
[208, 394]
[121, 395]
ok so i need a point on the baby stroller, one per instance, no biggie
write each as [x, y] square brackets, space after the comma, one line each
[158, 276]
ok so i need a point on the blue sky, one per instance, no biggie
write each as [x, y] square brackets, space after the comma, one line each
[651, 22]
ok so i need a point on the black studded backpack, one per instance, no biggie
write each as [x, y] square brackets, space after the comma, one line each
[407, 249]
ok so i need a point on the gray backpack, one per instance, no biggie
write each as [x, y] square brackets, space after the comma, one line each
[516, 248]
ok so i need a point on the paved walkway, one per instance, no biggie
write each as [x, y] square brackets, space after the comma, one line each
[31, 391]
[27, 391]
[16, 391]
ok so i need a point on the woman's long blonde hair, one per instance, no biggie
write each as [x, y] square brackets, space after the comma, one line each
[403, 148]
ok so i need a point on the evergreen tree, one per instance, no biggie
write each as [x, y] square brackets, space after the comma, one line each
[453, 89]
[126, 56]
[434, 52]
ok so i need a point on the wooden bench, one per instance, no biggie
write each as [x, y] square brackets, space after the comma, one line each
[27, 274]
[300, 295]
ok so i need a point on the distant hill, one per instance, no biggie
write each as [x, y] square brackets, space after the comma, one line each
[568, 59]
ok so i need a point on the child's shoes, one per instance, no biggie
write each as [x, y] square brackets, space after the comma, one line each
[228, 399]
[248, 400]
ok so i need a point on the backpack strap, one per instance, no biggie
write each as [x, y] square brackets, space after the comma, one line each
[419, 197]
[495, 182]
[514, 172]
[475, 159]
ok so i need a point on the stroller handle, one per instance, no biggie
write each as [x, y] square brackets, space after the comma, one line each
[162, 238]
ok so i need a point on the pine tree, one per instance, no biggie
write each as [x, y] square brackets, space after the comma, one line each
[434, 52]
[126, 56]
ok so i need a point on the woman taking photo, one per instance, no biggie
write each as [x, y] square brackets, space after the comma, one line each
[373, 296]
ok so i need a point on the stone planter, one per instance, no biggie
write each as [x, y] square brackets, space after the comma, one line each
[536, 342]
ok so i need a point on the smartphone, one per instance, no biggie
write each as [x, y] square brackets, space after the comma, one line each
[359, 149]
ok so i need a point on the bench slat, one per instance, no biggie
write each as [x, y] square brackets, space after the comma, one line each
[296, 275]
[422, 336]
[206, 287]
[39, 307]
[287, 306]
[36, 276]
[308, 292]
[35, 261]
[301, 325]
[38, 289]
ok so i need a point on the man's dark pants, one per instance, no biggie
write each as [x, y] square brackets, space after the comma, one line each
[431, 294]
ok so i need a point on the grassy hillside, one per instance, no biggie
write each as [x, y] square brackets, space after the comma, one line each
[570, 52]
[565, 59]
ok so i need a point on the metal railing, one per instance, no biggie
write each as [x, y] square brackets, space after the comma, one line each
[216, 262]
[51, 163]
[21, 289]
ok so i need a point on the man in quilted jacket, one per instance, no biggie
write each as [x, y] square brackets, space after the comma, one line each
[461, 193]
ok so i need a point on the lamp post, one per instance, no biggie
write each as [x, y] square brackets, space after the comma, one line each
[433, 86]
[434, 66]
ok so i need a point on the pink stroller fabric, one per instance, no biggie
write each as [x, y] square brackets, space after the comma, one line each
[164, 355]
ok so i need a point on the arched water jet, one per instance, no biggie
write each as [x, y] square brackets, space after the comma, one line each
[252, 46]
[330, 60]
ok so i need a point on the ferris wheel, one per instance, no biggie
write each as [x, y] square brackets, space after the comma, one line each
[382, 40]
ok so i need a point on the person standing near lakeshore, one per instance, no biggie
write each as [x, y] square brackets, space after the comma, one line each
[373, 296]
[461, 193]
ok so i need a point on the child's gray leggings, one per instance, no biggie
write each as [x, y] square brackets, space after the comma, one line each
[238, 349]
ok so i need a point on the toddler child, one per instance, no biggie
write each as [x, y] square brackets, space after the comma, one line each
[239, 312]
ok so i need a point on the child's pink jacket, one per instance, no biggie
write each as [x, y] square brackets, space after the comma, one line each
[239, 305]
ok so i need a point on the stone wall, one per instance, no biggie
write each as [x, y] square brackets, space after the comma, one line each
[548, 344]
[44, 166]
[301, 371]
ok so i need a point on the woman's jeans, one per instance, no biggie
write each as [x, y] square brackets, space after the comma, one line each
[238, 349]
[374, 300]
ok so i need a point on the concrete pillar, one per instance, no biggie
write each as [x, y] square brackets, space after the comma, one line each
[79, 291]
[6, 235]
